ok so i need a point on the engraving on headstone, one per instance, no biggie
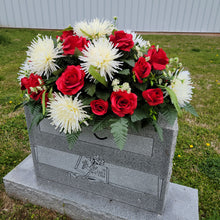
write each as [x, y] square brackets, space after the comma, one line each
[94, 168]
[91, 168]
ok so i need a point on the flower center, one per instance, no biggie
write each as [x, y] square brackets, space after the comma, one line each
[103, 63]
[72, 109]
[48, 59]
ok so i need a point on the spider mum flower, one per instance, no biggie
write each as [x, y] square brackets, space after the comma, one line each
[182, 87]
[94, 29]
[67, 114]
[42, 55]
[101, 54]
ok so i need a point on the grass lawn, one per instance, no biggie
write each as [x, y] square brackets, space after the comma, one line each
[196, 160]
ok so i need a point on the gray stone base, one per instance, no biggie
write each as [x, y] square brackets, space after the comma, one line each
[21, 183]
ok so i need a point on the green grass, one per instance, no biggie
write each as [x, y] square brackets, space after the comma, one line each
[196, 167]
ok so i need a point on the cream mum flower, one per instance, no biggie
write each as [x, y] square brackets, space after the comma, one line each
[94, 29]
[101, 54]
[42, 55]
[67, 114]
[182, 87]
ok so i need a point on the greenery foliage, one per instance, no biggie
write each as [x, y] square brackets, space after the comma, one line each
[119, 129]
[72, 138]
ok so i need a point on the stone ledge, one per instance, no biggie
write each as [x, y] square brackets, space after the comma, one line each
[21, 183]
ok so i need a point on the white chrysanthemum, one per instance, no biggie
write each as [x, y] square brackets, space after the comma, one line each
[182, 86]
[25, 70]
[94, 29]
[101, 54]
[42, 55]
[67, 114]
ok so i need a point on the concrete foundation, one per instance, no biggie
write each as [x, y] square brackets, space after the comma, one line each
[22, 183]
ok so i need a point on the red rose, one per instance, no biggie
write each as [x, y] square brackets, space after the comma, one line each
[24, 83]
[141, 69]
[71, 80]
[65, 35]
[153, 96]
[71, 42]
[158, 59]
[123, 103]
[36, 95]
[122, 40]
[35, 80]
[99, 106]
[34, 86]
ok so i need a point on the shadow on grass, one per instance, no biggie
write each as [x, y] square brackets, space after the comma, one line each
[4, 40]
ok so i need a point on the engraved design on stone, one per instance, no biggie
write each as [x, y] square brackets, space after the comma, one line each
[80, 169]
[91, 168]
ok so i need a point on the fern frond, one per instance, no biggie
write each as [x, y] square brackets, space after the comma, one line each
[72, 138]
[119, 130]
[189, 108]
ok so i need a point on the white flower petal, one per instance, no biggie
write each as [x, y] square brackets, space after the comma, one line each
[67, 114]
[101, 54]
[93, 29]
[42, 56]
[182, 87]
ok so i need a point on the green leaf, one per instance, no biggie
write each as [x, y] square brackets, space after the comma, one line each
[130, 62]
[19, 105]
[34, 107]
[55, 73]
[50, 93]
[88, 35]
[124, 72]
[113, 32]
[69, 28]
[119, 130]
[36, 120]
[170, 114]
[86, 101]
[72, 138]
[141, 86]
[103, 94]
[139, 114]
[36, 111]
[189, 108]
[97, 76]
[43, 102]
[158, 129]
[134, 126]
[77, 52]
[101, 124]
[174, 100]
[90, 89]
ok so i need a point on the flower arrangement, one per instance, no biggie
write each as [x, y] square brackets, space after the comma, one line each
[94, 74]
